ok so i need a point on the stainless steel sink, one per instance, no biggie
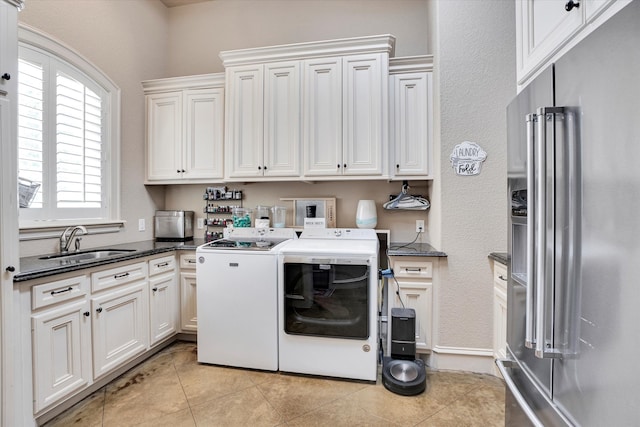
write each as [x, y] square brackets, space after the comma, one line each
[89, 255]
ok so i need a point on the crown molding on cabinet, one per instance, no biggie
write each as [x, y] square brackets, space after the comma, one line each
[191, 82]
[411, 64]
[352, 46]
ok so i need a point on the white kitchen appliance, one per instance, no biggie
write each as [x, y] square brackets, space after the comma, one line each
[328, 298]
[237, 280]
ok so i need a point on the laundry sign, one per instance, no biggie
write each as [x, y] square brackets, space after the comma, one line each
[467, 157]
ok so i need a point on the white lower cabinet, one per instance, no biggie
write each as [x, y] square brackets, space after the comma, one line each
[414, 284]
[163, 299]
[188, 295]
[499, 310]
[120, 326]
[61, 339]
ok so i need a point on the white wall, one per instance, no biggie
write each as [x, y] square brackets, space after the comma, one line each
[475, 79]
[127, 40]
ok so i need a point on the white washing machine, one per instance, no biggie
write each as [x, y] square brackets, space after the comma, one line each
[328, 298]
[237, 304]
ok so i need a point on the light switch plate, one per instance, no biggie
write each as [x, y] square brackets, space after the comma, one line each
[141, 225]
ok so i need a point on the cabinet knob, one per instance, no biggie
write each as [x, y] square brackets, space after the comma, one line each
[571, 4]
[338, 166]
[6, 76]
[397, 166]
[344, 166]
[259, 168]
[10, 269]
[183, 171]
[265, 167]
[86, 314]
[155, 289]
[177, 170]
[99, 310]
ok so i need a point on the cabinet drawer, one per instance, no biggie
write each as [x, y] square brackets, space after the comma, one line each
[58, 291]
[412, 269]
[106, 279]
[162, 265]
[499, 274]
[188, 261]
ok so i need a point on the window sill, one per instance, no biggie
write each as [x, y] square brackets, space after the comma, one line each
[35, 230]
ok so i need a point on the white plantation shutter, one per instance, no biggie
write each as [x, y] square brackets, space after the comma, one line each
[30, 124]
[62, 138]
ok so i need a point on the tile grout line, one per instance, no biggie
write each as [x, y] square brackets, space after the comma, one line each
[173, 363]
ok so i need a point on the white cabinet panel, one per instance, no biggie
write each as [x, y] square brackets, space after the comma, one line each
[188, 302]
[120, 327]
[203, 143]
[499, 311]
[244, 125]
[418, 296]
[164, 128]
[364, 123]
[282, 123]
[411, 125]
[322, 128]
[61, 352]
[163, 306]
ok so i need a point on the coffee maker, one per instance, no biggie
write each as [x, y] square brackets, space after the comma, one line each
[402, 372]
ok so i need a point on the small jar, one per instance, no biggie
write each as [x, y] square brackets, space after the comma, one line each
[242, 217]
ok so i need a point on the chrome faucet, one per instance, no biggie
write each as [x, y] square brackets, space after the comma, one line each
[65, 241]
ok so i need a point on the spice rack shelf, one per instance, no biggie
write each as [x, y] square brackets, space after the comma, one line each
[217, 202]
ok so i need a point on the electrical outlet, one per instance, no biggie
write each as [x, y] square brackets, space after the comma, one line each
[141, 225]
[419, 226]
[200, 222]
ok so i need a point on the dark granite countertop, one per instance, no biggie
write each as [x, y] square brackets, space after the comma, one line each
[414, 249]
[501, 257]
[33, 267]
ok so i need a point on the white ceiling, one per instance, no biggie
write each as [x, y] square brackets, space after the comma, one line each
[174, 3]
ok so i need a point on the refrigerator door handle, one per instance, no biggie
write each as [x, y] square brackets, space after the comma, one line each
[551, 120]
[513, 388]
[529, 339]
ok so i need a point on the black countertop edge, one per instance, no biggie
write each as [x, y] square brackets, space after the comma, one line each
[414, 249]
[34, 268]
[501, 257]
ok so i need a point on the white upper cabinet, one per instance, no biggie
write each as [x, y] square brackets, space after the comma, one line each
[322, 116]
[411, 117]
[263, 120]
[546, 29]
[324, 110]
[345, 108]
[185, 125]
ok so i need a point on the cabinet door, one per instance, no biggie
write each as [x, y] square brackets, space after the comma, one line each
[364, 121]
[244, 125]
[418, 296]
[282, 119]
[61, 352]
[322, 126]
[412, 124]
[204, 130]
[544, 27]
[163, 306]
[164, 136]
[188, 302]
[120, 327]
[499, 323]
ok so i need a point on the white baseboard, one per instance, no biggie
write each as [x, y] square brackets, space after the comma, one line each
[478, 360]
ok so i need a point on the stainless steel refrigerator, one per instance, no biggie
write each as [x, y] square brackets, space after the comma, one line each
[574, 236]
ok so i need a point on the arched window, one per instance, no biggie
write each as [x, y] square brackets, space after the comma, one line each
[68, 135]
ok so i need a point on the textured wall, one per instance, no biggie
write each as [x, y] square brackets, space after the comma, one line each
[200, 31]
[475, 56]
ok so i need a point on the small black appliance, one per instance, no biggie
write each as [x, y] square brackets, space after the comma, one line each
[402, 373]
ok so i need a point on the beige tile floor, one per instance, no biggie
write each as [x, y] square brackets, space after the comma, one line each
[172, 389]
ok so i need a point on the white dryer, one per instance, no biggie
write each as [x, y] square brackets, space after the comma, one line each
[327, 302]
